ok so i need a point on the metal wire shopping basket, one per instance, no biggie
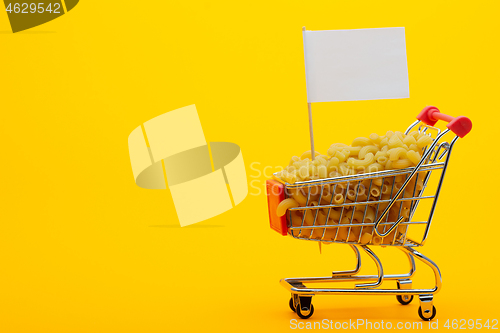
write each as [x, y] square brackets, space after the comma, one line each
[390, 198]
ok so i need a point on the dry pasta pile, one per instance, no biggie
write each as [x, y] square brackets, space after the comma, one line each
[394, 150]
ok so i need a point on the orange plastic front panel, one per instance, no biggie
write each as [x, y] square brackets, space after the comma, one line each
[276, 194]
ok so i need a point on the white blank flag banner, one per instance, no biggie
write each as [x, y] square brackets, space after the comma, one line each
[361, 64]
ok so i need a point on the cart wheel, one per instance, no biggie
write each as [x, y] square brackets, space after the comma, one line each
[291, 305]
[404, 299]
[305, 312]
[428, 317]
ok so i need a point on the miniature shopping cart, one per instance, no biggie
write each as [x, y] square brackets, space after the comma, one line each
[417, 185]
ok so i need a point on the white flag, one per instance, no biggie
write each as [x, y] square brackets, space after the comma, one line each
[361, 64]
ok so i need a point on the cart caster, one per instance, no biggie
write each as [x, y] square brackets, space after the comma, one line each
[426, 311]
[404, 284]
[305, 312]
[294, 300]
[404, 299]
[424, 316]
[305, 309]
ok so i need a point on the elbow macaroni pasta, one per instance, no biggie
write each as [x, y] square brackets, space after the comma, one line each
[354, 222]
[397, 153]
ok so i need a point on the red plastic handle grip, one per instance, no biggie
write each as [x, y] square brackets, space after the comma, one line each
[276, 194]
[459, 125]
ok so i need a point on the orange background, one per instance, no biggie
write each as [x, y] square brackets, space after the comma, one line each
[83, 249]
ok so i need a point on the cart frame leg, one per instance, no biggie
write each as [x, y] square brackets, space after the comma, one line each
[380, 270]
[354, 271]
[296, 286]
[428, 262]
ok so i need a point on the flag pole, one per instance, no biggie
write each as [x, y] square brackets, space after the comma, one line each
[313, 152]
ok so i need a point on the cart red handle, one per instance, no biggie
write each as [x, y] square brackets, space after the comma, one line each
[459, 125]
